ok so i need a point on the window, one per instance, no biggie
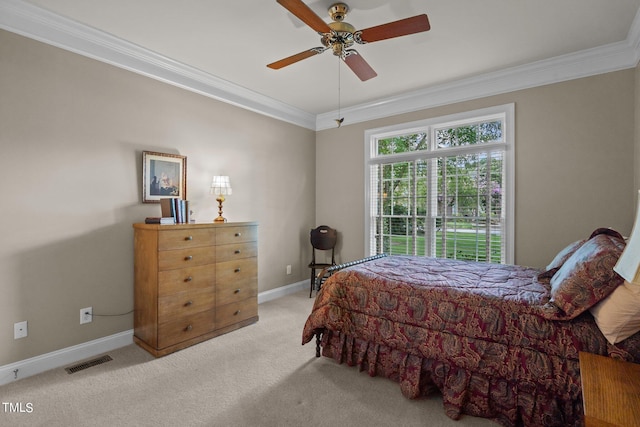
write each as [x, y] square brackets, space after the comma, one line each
[442, 187]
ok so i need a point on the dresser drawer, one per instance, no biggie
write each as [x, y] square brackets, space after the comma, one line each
[236, 291]
[236, 251]
[182, 279]
[182, 258]
[184, 328]
[236, 312]
[181, 239]
[185, 303]
[240, 234]
[236, 271]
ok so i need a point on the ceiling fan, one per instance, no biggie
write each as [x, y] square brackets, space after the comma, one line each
[339, 36]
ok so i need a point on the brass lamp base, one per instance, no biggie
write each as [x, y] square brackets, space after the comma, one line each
[220, 218]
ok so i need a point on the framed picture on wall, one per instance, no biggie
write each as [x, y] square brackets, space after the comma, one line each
[163, 176]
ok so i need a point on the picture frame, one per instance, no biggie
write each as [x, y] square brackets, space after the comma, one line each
[163, 176]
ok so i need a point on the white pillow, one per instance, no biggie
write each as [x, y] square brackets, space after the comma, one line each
[618, 315]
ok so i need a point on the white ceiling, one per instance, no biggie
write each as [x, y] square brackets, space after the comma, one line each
[235, 40]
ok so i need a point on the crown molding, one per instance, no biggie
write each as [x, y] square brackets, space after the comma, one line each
[590, 62]
[34, 22]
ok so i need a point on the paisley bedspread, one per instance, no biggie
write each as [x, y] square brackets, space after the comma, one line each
[476, 332]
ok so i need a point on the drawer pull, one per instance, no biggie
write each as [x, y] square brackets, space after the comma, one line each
[188, 238]
[238, 234]
[188, 258]
[188, 303]
[236, 313]
[237, 291]
[188, 328]
[237, 251]
[188, 279]
[237, 270]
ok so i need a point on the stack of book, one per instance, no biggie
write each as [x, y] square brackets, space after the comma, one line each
[173, 211]
[160, 220]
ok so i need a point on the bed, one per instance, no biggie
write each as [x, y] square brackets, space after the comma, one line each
[497, 341]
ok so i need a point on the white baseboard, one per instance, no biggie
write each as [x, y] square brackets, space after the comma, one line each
[67, 356]
[282, 291]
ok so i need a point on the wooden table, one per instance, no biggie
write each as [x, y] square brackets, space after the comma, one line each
[610, 391]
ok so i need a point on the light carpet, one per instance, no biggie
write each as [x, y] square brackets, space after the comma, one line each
[259, 375]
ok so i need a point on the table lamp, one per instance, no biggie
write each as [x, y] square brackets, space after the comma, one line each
[221, 187]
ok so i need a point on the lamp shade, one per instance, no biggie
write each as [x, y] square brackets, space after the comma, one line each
[629, 261]
[221, 186]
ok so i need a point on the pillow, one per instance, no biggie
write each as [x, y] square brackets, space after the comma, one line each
[618, 315]
[565, 253]
[609, 231]
[560, 259]
[587, 276]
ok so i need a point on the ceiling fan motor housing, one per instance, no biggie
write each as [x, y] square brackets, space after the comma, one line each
[341, 36]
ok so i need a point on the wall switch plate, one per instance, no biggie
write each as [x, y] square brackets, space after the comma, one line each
[86, 315]
[20, 330]
[288, 269]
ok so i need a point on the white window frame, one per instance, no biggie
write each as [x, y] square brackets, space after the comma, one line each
[505, 112]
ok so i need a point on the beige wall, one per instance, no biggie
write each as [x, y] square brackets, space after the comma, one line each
[72, 131]
[574, 165]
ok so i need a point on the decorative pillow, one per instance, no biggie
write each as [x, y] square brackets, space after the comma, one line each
[560, 259]
[609, 231]
[618, 315]
[587, 276]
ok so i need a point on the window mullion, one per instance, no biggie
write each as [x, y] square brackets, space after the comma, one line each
[445, 210]
[380, 213]
[487, 213]
[414, 207]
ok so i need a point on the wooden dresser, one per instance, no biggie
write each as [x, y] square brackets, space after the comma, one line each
[193, 282]
[610, 391]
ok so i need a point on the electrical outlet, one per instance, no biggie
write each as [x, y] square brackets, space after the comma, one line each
[86, 315]
[20, 330]
[288, 269]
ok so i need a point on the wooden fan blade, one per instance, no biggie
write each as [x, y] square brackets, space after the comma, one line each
[306, 15]
[295, 58]
[403, 27]
[359, 66]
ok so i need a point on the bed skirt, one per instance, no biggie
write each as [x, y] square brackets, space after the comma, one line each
[507, 402]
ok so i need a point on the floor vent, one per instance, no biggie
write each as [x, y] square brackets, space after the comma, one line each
[88, 364]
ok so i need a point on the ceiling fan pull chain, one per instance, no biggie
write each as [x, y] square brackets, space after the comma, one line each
[339, 120]
[339, 87]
